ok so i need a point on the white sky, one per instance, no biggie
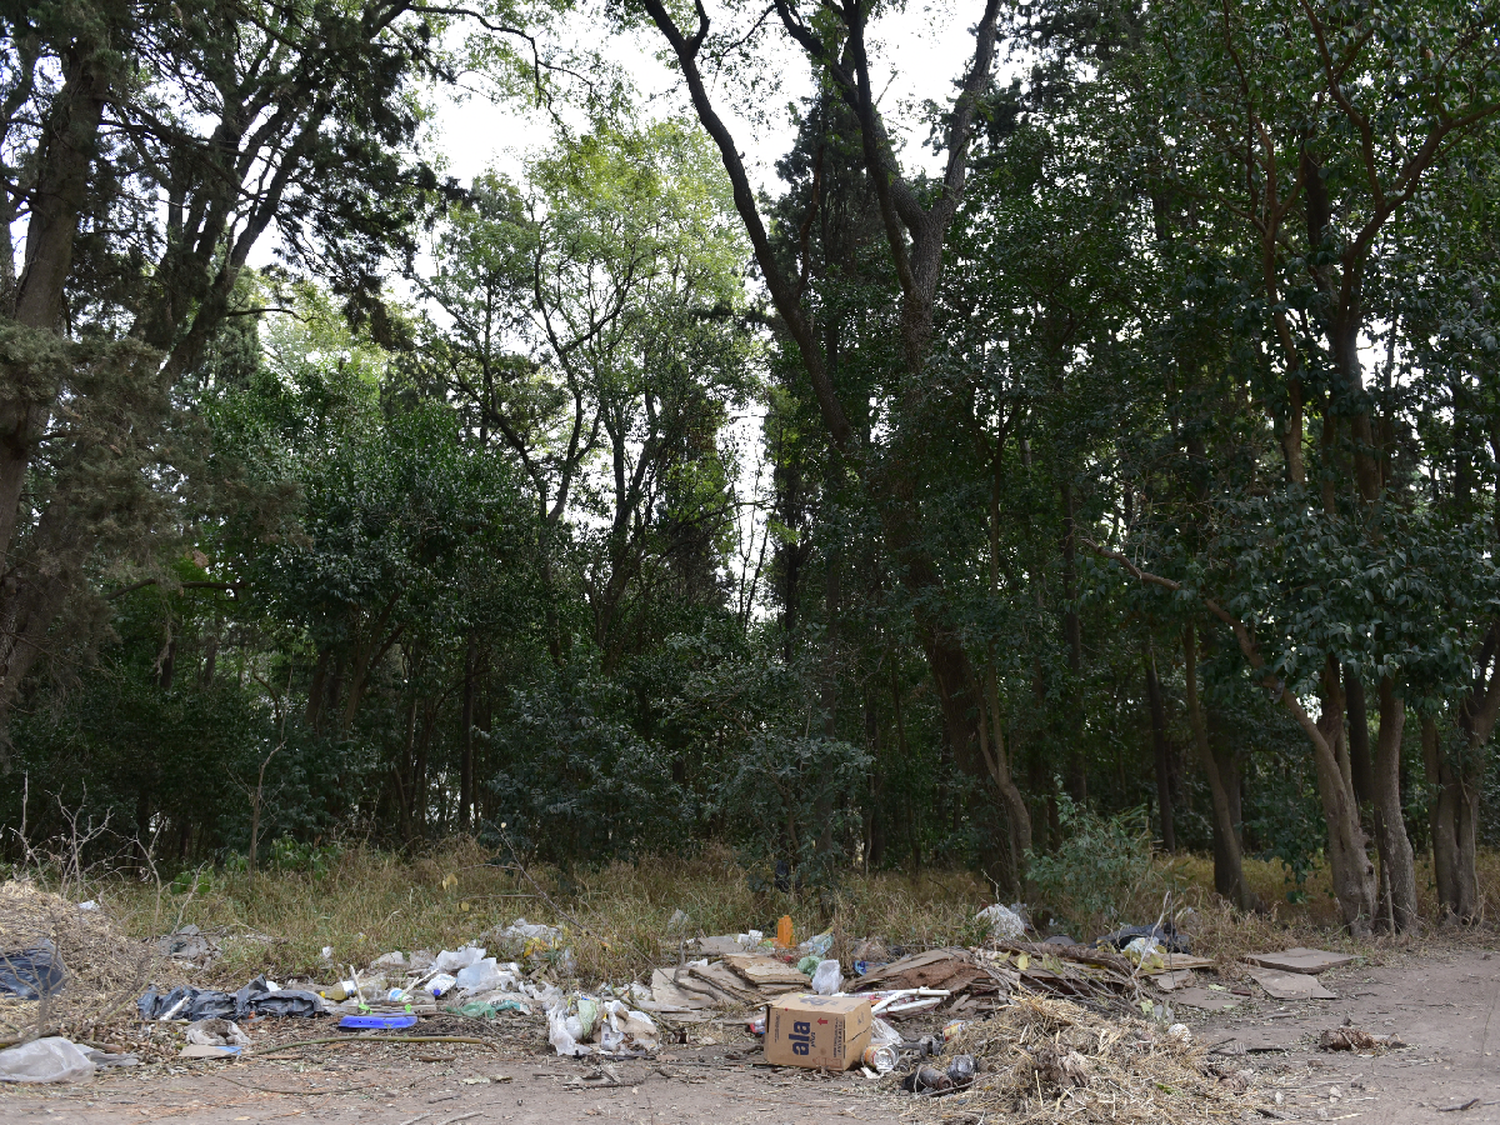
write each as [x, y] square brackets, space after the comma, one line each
[916, 54]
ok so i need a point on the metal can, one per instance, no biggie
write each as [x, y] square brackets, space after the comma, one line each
[881, 1058]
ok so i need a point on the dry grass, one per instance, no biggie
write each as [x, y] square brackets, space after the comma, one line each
[105, 968]
[1043, 1061]
[616, 919]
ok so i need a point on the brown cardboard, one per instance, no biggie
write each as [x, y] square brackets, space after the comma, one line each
[817, 1031]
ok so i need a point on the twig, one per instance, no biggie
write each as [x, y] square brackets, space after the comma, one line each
[289, 1093]
[1470, 1104]
[418, 1117]
[372, 1039]
[460, 1117]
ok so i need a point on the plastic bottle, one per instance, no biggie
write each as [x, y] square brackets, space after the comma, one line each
[784, 932]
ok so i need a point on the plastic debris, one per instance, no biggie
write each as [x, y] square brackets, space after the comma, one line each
[377, 1022]
[581, 1025]
[452, 960]
[828, 980]
[478, 976]
[30, 974]
[488, 1011]
[819, 944]
[440, 984]
[1003, 922]
[961, 1071]
[217, 1033]
[1145, 952]
[187, 943]
[53, 1059]
[256, 998]
[1170, 939]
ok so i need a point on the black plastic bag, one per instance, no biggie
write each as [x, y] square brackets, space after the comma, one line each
[32, 973]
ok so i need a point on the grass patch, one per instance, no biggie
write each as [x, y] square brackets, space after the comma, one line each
[362, 902]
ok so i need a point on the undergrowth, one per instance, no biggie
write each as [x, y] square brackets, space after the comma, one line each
[618, 919]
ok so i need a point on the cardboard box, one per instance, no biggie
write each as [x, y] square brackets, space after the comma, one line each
[817, 1031]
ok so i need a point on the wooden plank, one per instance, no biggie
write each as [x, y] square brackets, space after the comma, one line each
[766, 973]
[1290, 986]
[1300, 960]
[1175, 962]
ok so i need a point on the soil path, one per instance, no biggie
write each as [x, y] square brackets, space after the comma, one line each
[1443, 1004]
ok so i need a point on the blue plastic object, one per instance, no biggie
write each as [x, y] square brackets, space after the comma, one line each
[365, 1023]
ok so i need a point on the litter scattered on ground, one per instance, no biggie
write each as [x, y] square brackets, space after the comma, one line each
[1003, 921]
[1162, 934]
[1042, 1059]
[1353, 1039]
[582, 1025]
[257, 998]
[75, 964]
[377, 1023]
[217, 1033]
[1300, 960]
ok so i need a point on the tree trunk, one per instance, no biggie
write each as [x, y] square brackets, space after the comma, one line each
[1398, 869]
[466, 739]
[1352, 873]
[1359, 738]
[1229, 872]
[1454, 821]
[63, 158]
[1161, 749]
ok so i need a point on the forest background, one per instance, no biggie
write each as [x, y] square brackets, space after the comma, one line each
[1104, 453]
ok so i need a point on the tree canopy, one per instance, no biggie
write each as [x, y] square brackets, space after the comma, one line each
[1120, 431]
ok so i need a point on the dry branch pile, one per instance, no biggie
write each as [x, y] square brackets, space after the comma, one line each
[105, 970]
[1044, 1060]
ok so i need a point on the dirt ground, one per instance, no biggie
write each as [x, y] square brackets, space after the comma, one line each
[1441, 1003]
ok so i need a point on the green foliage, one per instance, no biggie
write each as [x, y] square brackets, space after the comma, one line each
[1103, 869]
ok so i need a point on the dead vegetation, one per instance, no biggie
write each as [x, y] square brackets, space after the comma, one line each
[104, 969]
[1044, 1060]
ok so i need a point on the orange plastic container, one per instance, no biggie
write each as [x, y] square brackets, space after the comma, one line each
[784, 932]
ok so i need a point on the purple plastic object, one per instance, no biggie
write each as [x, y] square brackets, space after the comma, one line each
[365, 1023]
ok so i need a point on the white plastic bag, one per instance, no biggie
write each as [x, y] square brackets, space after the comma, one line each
[53, 1059]
[827, 979]
[478, 976]
[562, 1038]
[451, 960]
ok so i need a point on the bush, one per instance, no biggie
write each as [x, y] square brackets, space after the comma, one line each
[1103, 868]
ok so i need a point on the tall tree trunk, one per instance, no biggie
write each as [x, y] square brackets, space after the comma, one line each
[1398, 868]
[1161, 749]
[1359, 737]
[1229, 872]
[63, 157]
[466, 739]
[1352, 873]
